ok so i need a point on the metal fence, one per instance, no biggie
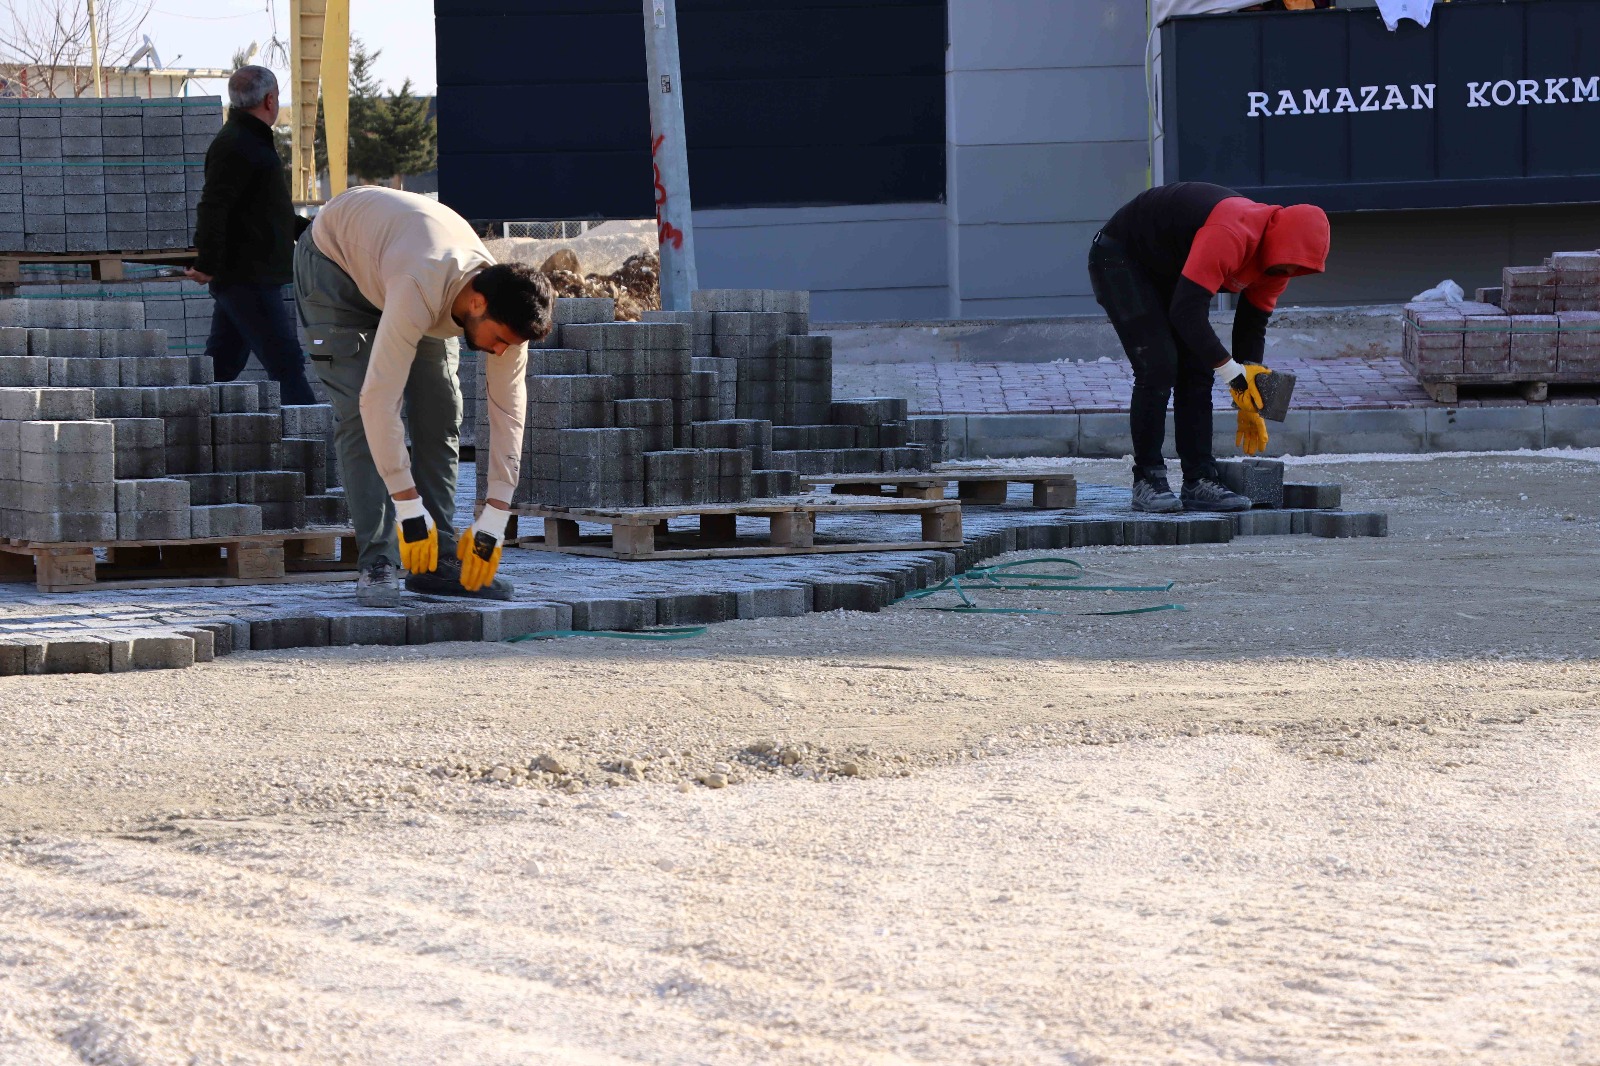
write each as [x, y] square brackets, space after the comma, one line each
[546, 230]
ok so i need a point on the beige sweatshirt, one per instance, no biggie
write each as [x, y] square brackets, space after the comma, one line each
[411, 256]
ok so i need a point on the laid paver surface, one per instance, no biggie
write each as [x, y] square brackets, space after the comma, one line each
[1069, 386]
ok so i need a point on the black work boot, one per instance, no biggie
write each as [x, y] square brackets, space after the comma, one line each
[1208, 494]
[378, 585]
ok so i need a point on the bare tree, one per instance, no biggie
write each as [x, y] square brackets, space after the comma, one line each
[49, 39]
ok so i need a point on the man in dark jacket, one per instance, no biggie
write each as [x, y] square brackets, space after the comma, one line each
[245, 229]
[1154, 268]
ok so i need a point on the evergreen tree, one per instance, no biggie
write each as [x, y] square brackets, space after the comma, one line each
[409, 134]
[368, 153]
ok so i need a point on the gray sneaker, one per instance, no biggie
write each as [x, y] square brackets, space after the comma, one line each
[1151, 494]
[1208, 495]
[378, 585]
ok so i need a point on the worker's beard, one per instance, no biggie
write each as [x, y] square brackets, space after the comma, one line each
[469, 331]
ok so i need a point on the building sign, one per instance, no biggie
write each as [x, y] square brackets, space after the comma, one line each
[1491, 104]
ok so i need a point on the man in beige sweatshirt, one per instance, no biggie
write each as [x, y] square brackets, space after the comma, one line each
[382, 280]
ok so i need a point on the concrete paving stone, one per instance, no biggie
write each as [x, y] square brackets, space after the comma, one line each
[1484, 428]
[82, 373]
[51, 497]
[152, 494]
[204, 642]
[68, 466]
[307, 420]
[1263, 523]
[504, 621]
[225, 520]
[13, 657]
[132, 343]
[288, 631]
[49, 437]
[438, 625]
[73, 655]
[612, 614]
[13, 340]
[1261, 480]
[156, 371]
[246, 428]
[1347, 524]
[695, 608]
[212, 488]
[1318, 496]
[285, 515]
[773, 601]
[26, 405]
[384, 628]
[154, 525]
[167, 651]
[235, 397]
[228, 635]
[850, 594]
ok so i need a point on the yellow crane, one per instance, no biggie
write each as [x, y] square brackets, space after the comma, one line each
[319, 52]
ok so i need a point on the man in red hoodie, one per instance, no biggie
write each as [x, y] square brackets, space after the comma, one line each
[1154, 268]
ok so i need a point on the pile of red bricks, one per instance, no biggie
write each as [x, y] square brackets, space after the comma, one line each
[1541, 326]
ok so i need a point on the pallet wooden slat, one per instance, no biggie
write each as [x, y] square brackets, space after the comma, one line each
[103, 266]
[266, 558]
[1053, 489]
[643, 533]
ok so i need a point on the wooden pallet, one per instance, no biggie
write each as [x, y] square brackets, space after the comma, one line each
[103, 266]
[639, 533]
[206, 562]
[1052, 489]
[1450, 391]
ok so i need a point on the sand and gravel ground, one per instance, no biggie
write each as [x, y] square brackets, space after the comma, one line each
[1344, 809]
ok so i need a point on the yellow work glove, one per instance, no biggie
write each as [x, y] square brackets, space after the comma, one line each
[479, 548]
[1252, 435]
[419, 537]
[1248, 395]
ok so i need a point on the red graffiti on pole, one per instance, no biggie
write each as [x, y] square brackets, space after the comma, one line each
[666, 232]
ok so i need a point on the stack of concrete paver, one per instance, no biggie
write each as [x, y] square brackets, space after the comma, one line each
[102, 175]
[106, 436]
[722, 404]
[1542, 324]
[1279, 508]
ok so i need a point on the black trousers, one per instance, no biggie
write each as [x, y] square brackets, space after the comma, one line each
[1163, 366]
[253, 318]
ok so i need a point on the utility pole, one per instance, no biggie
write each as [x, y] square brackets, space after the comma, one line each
[94, 52]
[669, 154]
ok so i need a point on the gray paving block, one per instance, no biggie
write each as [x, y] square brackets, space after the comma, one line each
[1346, 524]
[1261, 480]
[774, 601]
[307, 420]
[850, 594]
[383, 628]
[1315, 496]
[621, 615]
[290, 631]
[236, 397]
[156, 371]
[73, 655]
[13, 339]
[695, 608]
[225, 520]
[246, 428]
[1263, 523]
[165, 651]
[67, 526]
[152, 494]
[132, 343]
[212, 488]
[68, 466]
[154, 525]
[67, 496]
[503, 621]
[227, 635]
[435, 626]
[26, 405]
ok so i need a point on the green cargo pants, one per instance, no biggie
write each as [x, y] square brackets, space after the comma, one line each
[338, 326]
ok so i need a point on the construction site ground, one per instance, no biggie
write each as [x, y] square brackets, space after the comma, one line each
[1342, 808]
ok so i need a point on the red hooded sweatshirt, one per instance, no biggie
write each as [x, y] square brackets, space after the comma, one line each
[1195, 240]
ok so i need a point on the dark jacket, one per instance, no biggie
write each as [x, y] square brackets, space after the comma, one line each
[245, 226]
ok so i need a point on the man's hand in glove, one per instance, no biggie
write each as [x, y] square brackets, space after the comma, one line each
[419, 538]
[1252, 435]
[1241, 381]
[479, 549]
